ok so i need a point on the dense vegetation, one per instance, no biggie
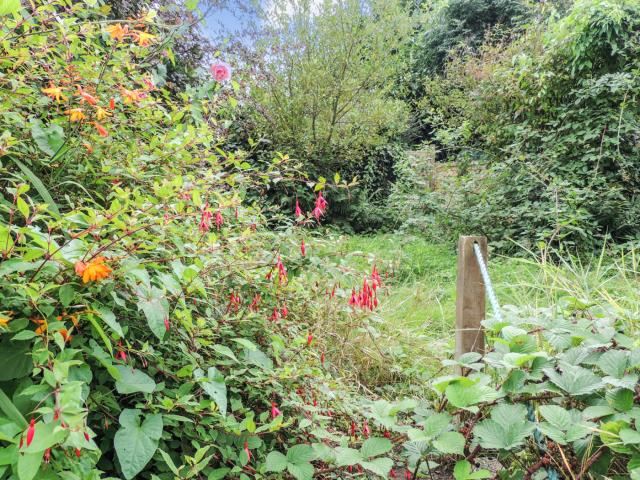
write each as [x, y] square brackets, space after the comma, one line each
[173, 306]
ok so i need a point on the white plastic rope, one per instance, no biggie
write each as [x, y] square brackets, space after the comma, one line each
[495, 306]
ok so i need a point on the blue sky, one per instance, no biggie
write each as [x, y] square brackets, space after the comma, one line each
[229, 19]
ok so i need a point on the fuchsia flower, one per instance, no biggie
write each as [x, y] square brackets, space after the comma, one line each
[205, 219]
[365, 429]
[221, 71]
[298, 212]
[321, 206]
[219, 219]
[78, 453]
[303, 248]
[284, 312]
[282, 271]
[47, 455]
[275, 315]
[392, 473]
[274, 410]
[407, 475]
[166, 324]
[246, 450]
[86, 437]
[31, 431]
[234, 303]
[322, 358]
[309, 339]
[353, 429]
[255, 303]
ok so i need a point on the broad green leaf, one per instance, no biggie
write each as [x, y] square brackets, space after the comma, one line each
[9, 7]
[347, 456]
[379, 466]
[109, 318]
[462, 471]
[49, 139]
[375, 446]
[300, 454]
[156, 310]
[15, 359]
[275, 462]
[507, 428]
[301, 471]
[28, 465]
[135, 442]
[462, 395]
[614, 363]
[575, 380]
[451, 443]
[133, 380]
[216, 388]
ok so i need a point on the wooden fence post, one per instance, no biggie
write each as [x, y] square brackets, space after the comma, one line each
[470, 299]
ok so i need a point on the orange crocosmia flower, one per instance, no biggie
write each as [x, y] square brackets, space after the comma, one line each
[65, 334]
[101, 113]
[88, 147]
[4, 321]
[54, 93]
[144, 39]
[130, 96]
[101, 130]
[75, 114]
[42, 329]
[117, 31]
[95, 270]
[80, 267]
[86, 97]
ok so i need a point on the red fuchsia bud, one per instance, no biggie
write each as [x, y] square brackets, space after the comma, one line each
[387, 434]
[284, 312]
[303, 248]
[315, 402]
[86, 437]
[112, 103]
[246, 450]
[350, 469]
[63, 425]
[322, 358]
[269, 275]
[392, 473]
[275, 315]
[407, 475]
[359, 468]
[365, 429]
[298, 212]
[274, 410]
[56, 414]
[352, 429]
[31, 431]
[167, 326]
[219, 219]
[78, 452]
[333, 291]
[309, 339]
[47, 455]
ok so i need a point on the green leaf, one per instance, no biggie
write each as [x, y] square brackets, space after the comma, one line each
[49, 139]
[10, 410]
[66, 294]
[462, 395]
[15, 359]
[629, 436]
[379, 466]
[375, 446]
[301, 471]
[451, 443]
[614, 363]
[574, 380]
[508, 428]
[133, 381]
[135, 443]
[9, 7]
[300, 454]
[216, 388]
[109, 318]
[462, 471]
[275, 462]
[28, 465]
[156, 309]
[347, 456]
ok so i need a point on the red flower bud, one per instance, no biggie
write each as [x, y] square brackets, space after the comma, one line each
[47, 455]
[31, 431]
[166, 324]
[309, 339]
[303, 248]
[78, 452]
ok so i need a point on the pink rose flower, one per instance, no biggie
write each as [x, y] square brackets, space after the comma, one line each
[221, 71]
